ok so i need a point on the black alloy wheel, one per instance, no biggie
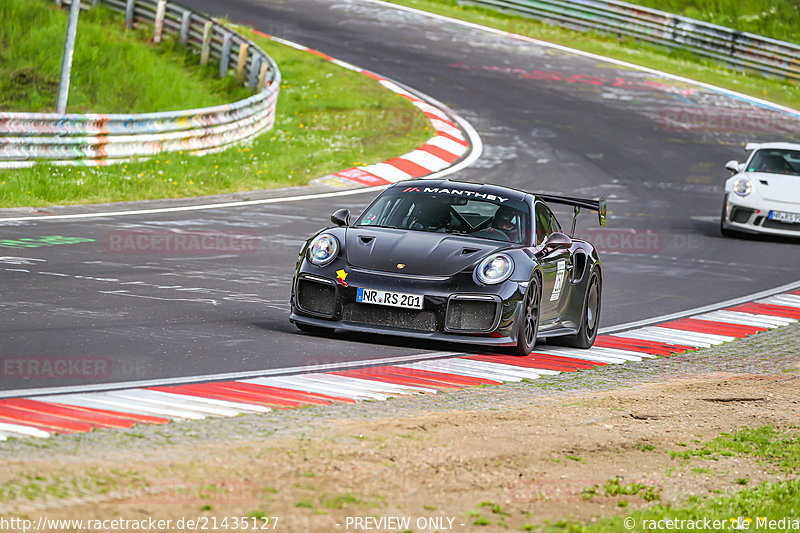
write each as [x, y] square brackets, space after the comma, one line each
[529, 326]
[590, 320]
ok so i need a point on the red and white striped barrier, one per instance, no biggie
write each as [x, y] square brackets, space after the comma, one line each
[443, 150]
[42, 416]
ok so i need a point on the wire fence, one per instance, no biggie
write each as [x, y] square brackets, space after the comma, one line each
[741, 50]
[102, 139]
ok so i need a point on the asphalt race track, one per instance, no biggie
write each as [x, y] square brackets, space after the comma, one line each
[551, 121]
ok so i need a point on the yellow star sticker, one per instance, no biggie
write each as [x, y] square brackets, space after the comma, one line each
[341, 274]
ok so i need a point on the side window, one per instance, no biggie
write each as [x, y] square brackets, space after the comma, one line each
[554, 225]
[543, 217]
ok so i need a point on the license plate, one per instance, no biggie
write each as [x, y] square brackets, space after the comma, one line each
[390, 298]
[782, 216]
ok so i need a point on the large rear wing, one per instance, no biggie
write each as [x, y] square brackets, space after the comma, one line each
[598, 205]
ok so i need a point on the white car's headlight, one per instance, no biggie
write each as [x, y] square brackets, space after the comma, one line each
[742, 186]
[323, 249]
[494, 269]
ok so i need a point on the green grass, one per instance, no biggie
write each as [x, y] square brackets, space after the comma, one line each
[154, 77]
[35, 487]
[339, 501]
[780, 449]
[770, 501]
[767, 501]
[328, 119]
[778, 19]
[615, 487]
[673, 61]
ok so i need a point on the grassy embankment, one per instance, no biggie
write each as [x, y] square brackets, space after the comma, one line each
[329, 118]
[760, 507]
[778, 19]
[677, 62]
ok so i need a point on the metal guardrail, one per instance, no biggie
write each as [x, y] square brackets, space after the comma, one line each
[739, 49]
[98, 139]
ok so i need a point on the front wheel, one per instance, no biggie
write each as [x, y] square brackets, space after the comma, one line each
[529, 325]
[725, 232]
[591, 315]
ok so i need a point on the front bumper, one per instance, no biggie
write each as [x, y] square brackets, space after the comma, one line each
[455, 309]
[740, 215]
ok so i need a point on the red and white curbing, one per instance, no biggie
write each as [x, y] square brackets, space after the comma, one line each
[442, 151]
[42, 416]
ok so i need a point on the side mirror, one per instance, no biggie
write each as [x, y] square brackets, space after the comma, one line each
[733, 166]
[341, 217]
[557, 241]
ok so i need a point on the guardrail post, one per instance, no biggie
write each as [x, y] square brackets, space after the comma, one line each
[158, 23]
[225, 56]
[95, 3]
[129, 13]
[185, 21]
[243, 48]
[262, 75]
[254, 68]
[66, 62]
[206, 50]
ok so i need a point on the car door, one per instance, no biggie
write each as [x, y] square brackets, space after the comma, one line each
[556, 265]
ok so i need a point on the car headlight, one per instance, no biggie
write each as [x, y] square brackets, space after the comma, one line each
[323, 249]
[494, 269]
[742, 186]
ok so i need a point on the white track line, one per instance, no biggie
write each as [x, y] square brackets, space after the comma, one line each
[379, 387]
[19, 430]
[100, 400]
[704, 309]
[304, 385]
[238, 407]
[749, 319]
[452, 367]
[591, 355]
[591, 55]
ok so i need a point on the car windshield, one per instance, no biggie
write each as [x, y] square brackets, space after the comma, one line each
[480, 215]
[775, 161]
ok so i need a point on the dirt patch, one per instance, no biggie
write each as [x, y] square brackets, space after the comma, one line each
[548, 458]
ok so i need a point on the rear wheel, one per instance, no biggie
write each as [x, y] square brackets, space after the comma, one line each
[591, 315]
[529, 325]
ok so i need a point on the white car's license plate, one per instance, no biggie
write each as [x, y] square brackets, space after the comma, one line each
[782, 216]
[390, 298]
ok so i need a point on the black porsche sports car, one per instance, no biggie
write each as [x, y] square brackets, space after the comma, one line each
[453, 261]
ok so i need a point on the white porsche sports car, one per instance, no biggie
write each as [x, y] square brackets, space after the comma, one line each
[763, 194]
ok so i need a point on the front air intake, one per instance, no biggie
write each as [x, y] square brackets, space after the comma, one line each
[316, 297]
[741, 214]
[471, 314]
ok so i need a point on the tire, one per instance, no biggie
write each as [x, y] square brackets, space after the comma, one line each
[529, 325]
[590, 317]
[725, 232]
[316, 330]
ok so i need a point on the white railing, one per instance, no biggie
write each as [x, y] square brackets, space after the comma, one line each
[738, 49]
[99, 139]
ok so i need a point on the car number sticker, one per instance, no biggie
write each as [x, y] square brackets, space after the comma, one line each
[562, 269]
[390, 298]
